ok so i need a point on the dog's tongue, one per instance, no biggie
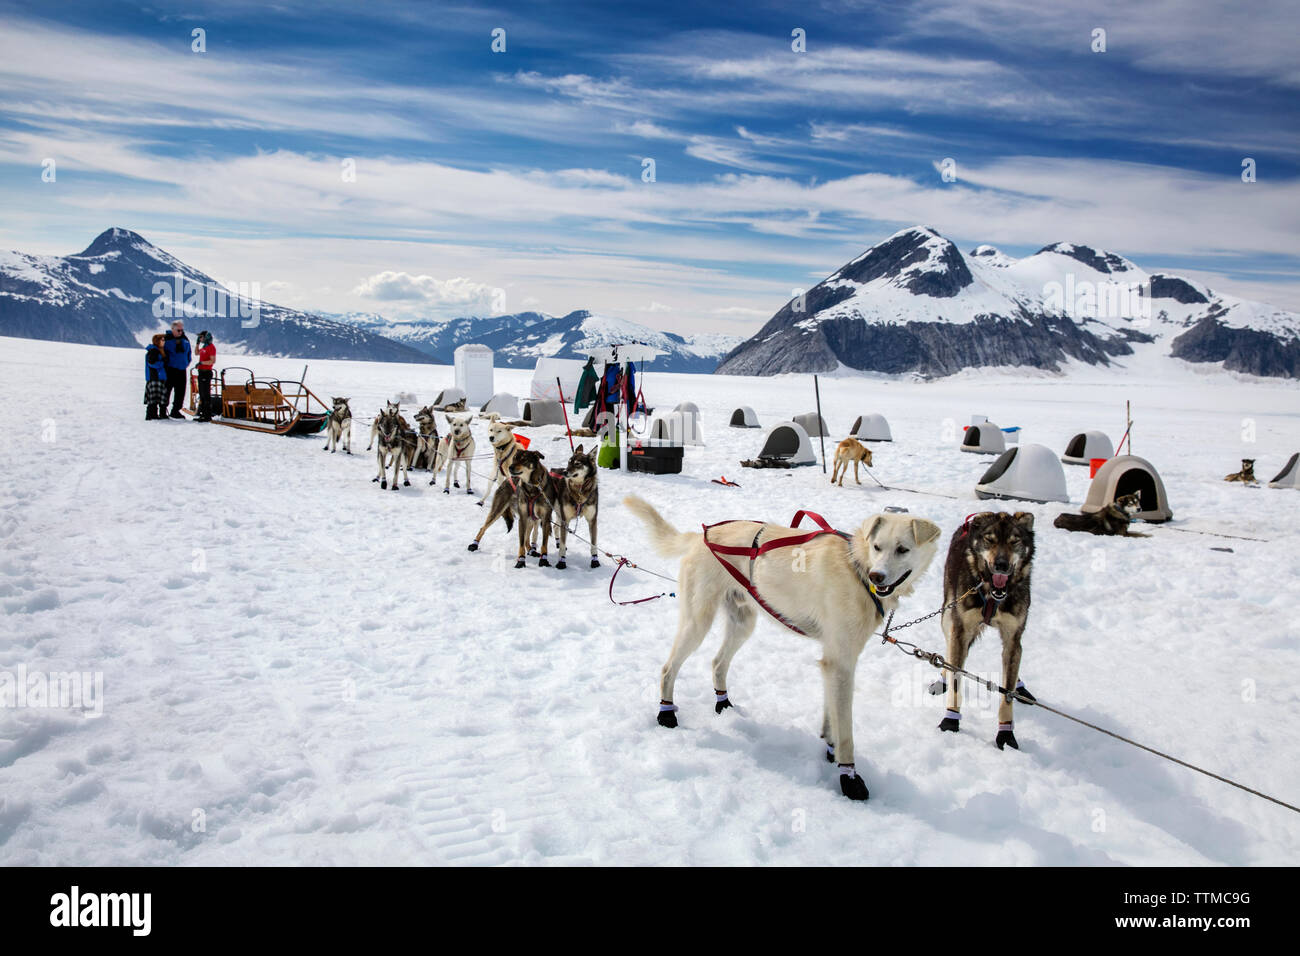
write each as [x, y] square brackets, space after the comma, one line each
[999, 581]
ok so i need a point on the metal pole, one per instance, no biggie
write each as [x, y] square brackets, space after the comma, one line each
[1128, 414]
[622, 423]
[821, 437]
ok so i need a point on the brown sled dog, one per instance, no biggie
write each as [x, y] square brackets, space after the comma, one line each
[1113, 519]
[571, 494]
[1247, 473]
[987, 574]
[521, 496]
[850, 450]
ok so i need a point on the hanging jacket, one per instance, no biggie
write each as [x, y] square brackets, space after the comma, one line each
[586, 393]
[178, 351]
[155, 366]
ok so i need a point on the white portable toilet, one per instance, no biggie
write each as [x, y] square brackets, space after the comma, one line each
[1027, 473]
[474, 373]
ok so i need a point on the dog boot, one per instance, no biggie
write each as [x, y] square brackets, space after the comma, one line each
[473, 545]
[951, 721]
[851, 784]
[595, 562]
[938, 687]
[1006, 738]
[542, 562]
[560, 565]
[521, 563]
[667, 714]
[830, 752]
[1022, 692]
[721, 701]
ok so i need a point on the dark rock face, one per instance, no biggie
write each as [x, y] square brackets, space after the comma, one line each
[1107, 262]
[1240, 350]
[1171, 287]
[105, 295]
[946, 276]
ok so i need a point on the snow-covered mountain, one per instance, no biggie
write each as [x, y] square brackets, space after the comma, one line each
[915, 303]
[520, 339]
[110, 294]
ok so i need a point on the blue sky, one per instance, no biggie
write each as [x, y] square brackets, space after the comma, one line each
[483, 176]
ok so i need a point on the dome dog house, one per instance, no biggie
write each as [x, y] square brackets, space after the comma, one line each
[449, 396]
[787, 443]
[1289, 476]
[812, 424]
[744, 417]
[504, 404]
[984, 439]
[540, 411]
[871, 427]
[1085, 446]
[690, 407]
[1124, 476]
[1025, 473]
[677, 428]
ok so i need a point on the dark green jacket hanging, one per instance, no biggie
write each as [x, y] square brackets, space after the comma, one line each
[586, 393]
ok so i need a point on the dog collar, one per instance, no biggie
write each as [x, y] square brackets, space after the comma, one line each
[991, 602]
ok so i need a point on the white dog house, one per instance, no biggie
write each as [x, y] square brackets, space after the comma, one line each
[788, 443]
[1085, 446]
[1025, 473]
[547, 370]
[676, 428]
[983, 439]
[474, 373]
[449, 396]
[1124, 476]
[744, 417]
[504, 404]
[813, 424]
[1289, 476]
[871, 427]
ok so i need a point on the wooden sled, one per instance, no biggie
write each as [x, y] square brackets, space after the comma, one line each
[274, 406]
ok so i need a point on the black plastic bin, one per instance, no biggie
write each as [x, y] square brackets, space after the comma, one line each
[655, 459]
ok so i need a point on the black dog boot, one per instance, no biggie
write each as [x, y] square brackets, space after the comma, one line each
[1022, 692]
[1006, 738]
[521, 563]
[473, 545]
[830, 752]
[851, 784]
[667, 714]
[721, 701]
[951, 721]
[560, 565]
[383, 485]
[542, 562]
[595, 562]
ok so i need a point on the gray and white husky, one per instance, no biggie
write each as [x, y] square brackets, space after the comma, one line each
[396, 446]
[339, 426]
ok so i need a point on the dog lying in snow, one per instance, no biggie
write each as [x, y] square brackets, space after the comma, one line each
[1247, 473]
[835, 591]
[1112, 519]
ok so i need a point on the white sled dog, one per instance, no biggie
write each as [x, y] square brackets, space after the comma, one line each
[502, 439]
[339, 426]
[836, 591]
[456, 450]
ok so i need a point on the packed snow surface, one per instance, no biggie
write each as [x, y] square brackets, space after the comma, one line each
[299, 668]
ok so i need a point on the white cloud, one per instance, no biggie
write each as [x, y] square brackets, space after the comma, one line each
[408, 294]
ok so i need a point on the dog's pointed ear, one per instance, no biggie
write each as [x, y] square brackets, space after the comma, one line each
[1025, 519]
[578, 450]
[924, 531]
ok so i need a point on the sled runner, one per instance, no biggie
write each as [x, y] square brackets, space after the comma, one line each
[275, 406]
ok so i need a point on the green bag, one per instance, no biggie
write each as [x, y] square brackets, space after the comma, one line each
[607, 456]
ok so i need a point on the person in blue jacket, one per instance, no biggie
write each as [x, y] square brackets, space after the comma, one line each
[155, 379]
[179, 354]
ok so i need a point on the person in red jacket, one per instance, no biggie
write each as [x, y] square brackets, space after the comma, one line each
[207, 361]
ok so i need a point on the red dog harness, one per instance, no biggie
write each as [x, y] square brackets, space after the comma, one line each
[755, 551]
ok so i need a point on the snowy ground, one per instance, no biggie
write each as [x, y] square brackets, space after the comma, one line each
[319, 672]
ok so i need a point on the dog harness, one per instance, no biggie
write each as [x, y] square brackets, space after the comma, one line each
[531, 501]
[755, 551]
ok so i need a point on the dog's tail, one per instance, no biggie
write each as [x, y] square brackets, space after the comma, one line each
[666, 539]
[1072, 522]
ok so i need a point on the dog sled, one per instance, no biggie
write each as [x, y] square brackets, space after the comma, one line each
[274, 406]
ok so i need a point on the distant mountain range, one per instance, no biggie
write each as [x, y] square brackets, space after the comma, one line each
[519, 340]
[107, 295]
[915, 304]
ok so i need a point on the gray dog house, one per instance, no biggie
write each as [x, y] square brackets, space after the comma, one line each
[1289, 476]
[744, 417]
[787, 442]
[1124, 476]
[448, 396]
[543, 412]
[812, 424]
[1085, 446]
[983, 439]
[871, 427]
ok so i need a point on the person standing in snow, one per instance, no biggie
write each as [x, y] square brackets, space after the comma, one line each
[177, 349]
[155, 379]
[207, 359]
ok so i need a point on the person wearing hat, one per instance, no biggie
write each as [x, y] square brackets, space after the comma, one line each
[207, 360]
[176, 347]
[155, 379]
